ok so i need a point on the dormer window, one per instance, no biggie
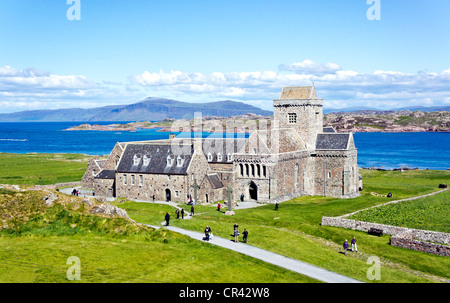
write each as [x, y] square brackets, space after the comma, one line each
[146, 160]
[229, 158]
[180, 161]
[209, 157]
[219, 157]
[136, 160]
[169, 161]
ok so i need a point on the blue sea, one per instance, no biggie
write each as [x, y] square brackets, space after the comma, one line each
[381, 150]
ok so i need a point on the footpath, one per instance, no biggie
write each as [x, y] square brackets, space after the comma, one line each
[269, 257]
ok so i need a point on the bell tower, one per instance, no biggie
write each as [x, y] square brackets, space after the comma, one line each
[299, 108]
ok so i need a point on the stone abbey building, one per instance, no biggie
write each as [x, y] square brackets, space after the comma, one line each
[293, 157]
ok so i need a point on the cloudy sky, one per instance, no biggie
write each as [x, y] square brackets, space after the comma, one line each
[121, 52]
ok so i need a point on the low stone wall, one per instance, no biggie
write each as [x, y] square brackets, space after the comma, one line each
[418, 234]
[430, 248]
[74, 184]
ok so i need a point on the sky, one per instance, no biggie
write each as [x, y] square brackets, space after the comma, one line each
[358, 53]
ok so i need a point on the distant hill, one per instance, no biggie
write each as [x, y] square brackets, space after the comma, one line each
[150, 109]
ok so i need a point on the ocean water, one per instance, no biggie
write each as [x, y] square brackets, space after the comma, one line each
[381, 150]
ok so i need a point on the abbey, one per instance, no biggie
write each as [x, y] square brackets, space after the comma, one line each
[295, 156]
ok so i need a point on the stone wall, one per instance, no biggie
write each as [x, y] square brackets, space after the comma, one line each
[412, 238]
[431, 248]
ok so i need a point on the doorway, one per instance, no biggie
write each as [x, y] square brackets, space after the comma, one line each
[253, 191]
[168, 195]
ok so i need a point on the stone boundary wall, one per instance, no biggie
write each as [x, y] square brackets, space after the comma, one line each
[418, 234]
[74, 184]
[431, 248]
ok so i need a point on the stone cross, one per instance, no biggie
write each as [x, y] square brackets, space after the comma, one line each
[230, 211]
[195, 186]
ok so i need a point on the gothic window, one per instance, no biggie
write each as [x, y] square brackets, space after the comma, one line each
[241, 167]
[253, 169]
[246, 170]
[258, 170]
[292, 118]
[264, 171]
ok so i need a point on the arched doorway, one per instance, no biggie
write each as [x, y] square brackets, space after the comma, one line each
[168, 195]
[253, 191]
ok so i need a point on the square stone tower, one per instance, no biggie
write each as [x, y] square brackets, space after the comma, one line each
[299, 108]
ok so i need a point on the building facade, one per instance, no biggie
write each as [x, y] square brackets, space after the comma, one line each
[293, 157]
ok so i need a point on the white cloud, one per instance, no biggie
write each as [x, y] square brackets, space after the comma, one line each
[311, 68]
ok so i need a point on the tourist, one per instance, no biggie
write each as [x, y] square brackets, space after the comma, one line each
[182, 213]
[192, 210]
[207, 233]
[236, 235]
[153, 197]
[276, 206]
[354, 247]
[242, 197]
[178, 213]
[345, 247]
[245, 234]
[167, 217]
[218, 206]
[235, 226]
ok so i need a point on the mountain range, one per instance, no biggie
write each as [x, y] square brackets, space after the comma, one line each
[157, 109]
[150, 109]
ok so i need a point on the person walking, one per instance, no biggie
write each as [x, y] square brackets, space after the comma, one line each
[167, 217]
[192, 210]
[345, 245]
[178, 213]
[182, 213]
[276, 206]
[218, 206]
[244, 235]
[207, 232]
[354, 247]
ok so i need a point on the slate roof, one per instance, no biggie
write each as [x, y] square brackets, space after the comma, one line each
[156, 159]
[332, 141]
[106, 174]
[215, 181]
[329, 129]
[222, 146]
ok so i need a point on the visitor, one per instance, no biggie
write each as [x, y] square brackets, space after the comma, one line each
[354, 247]
[245, 234]
[345, 247]
[242, 197]
[153, 197]
[167, 217]
[178, 213]
[236, 235]
[218, 206]
[276, 206]
[182, 213]
[207, 233]
[192, 210]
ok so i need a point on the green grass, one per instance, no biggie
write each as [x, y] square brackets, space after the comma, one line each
[430, 213]
[41, 169]
[295, 231]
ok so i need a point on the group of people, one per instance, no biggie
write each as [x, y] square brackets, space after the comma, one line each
[236, 234]
[178, 212]
[346, 246]
[75, 192]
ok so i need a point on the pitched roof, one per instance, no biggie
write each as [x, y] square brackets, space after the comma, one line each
[215, 181]
[156, 158]
[298, 92]
[333, 141]
[106, 174]
[329, 129]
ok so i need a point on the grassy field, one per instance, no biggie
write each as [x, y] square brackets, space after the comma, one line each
[295, 231]
[41, 169]
[38, 240]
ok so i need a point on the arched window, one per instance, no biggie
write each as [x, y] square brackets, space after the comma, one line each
[258, 170]
[209, 157]
[241, 167]
[253, 169]
[219, 157]
[246, 170]
[264, 171]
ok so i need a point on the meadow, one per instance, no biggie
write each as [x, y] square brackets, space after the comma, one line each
[35, 248]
